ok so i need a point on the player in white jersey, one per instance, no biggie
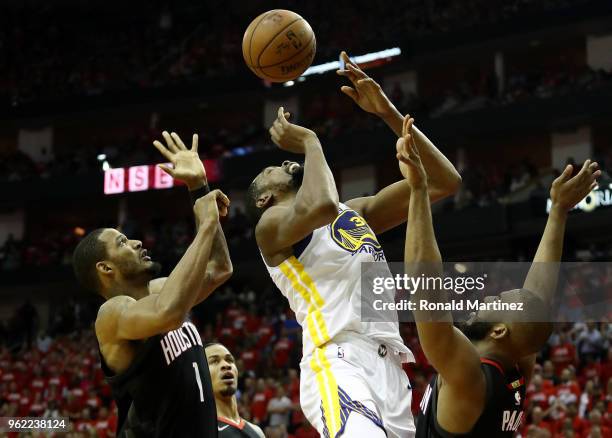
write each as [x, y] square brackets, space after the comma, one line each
[352, 381]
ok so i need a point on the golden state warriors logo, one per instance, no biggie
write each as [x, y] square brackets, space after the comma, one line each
[351, 232]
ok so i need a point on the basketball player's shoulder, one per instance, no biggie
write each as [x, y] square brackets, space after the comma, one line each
[271, 217]
[108, 314]
[269, 222]
[257, 429]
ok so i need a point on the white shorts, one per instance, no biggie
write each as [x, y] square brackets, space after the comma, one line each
[353, 375]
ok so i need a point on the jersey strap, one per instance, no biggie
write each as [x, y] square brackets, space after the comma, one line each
[512, 385]
[232, 423]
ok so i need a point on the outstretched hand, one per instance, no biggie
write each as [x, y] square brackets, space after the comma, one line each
[365, 92]
[290, 137]
[186, 164]
[409, 159]
[566, 191]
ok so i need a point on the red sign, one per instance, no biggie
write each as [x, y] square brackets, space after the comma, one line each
[149, 177]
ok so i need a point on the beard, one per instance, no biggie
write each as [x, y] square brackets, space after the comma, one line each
[137, 273]
[228, 391]
[474, 330]
[154, 269]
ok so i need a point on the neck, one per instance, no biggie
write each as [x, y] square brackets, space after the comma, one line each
[493, 352]
[228, 408]
[135, 291]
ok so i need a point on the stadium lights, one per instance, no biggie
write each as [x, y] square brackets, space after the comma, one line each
[361, 59]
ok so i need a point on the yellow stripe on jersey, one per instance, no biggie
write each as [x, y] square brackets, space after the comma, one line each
[328, 390]
[328, 387]
[311, 320]
[317, 299]
[333, 389]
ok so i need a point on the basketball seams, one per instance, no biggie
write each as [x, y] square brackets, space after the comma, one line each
[273, 38]
[307, 46]
[253, 33]
[273, 76]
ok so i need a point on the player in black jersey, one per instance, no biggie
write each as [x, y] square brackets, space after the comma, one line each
[224, 375]
[480, 386]
[152, 355]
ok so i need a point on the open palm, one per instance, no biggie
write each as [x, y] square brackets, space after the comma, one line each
[186, 164]
[366, 92]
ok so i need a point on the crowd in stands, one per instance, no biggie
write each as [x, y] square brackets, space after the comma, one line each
[330, 114]
[53, 50]
[570, 395]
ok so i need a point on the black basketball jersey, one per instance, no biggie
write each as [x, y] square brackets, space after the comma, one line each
[229, 429]
[503, 410]
[167, 389]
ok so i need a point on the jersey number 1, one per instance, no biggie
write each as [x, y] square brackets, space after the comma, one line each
[197, 373]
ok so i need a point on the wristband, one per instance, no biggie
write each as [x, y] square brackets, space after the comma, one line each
[199, 193]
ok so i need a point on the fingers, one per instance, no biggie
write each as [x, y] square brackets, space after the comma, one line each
[281, 116]
[170, 142]
[401, 154]
[177, 140]
[222, 198]
[359, 73]
[165, 152]
[565, 175]
[223, 203]
[589, 171]
[278, 127]
[405, 125]
[167, 169]
[274, 134]
[351, 70]
[194, 143]
[350, 92]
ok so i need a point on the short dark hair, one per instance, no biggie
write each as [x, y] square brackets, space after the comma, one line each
[252, 211]
[476, 331]
[87, 253]
[210, 344]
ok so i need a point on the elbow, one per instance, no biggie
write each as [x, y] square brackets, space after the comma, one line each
[450, 186]
[454, 182]
[225, 274]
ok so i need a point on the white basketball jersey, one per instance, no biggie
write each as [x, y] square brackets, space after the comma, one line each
[322, 284]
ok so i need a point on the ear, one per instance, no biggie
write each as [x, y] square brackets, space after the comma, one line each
[264, 200]
[499, 331]
[104, 268]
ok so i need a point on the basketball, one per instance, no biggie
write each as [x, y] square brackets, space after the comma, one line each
[278, 45]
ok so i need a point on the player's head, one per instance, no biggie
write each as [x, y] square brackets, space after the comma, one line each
[223, 370]
[500, 328]
[106, 261]
[273, 184]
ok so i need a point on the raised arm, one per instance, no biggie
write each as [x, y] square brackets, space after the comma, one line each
[543, 275]
[188, 168]
[124, 318]
[316, 201]
[387, 208]
[447, 349]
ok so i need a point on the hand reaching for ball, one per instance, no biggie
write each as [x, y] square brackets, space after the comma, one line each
[290, 137]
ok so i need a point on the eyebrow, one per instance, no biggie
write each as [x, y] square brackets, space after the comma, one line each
[119, 238]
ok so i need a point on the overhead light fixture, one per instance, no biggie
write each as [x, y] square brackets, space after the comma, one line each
[360, 59]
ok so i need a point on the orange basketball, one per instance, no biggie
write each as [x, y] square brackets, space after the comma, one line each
[279, 45]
